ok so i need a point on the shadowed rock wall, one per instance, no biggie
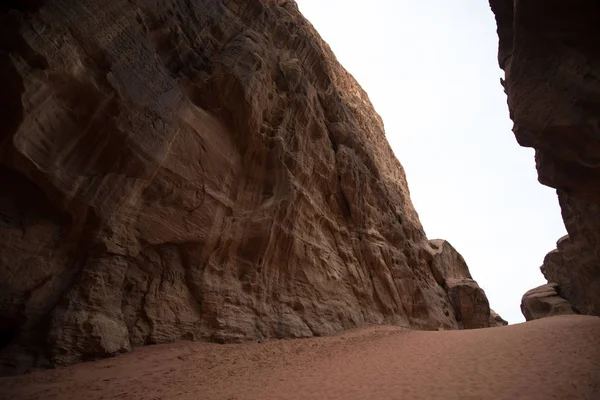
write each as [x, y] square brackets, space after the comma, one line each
[550, 52]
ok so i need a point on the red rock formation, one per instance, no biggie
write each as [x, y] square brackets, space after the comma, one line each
[550, 52]
[193, 170]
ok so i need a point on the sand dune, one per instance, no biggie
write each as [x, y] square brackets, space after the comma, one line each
[552, 358]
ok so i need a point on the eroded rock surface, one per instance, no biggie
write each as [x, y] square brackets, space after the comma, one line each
[550, 52]
[544, 301]
[198, 170]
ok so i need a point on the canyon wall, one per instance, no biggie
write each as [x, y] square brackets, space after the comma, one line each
[198, 170]
[550, 53]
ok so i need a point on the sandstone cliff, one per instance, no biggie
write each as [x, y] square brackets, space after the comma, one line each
[195, 170]
[550, 52]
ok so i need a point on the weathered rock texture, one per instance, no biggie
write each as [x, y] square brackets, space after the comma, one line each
[544, 301]
[470, 304]
[198, 170]
[550, 52]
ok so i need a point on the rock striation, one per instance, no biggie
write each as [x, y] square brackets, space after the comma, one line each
[550, 53]
[195, 170]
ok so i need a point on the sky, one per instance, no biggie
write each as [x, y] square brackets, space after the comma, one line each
[431, 71]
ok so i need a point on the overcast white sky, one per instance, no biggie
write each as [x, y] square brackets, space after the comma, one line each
[430, 70]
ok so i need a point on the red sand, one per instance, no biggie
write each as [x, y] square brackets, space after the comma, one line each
[552, 358]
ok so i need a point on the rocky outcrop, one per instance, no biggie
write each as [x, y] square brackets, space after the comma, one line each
[496, 320]
[544, 301]
[193, 170]
[550, 52]
[469, 302]
[573, 266]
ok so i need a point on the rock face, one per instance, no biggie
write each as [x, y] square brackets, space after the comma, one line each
[550, 52]
[470, 304]
[544, 301]
[193, 170]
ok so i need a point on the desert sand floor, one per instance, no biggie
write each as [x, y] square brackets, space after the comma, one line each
[552, 358]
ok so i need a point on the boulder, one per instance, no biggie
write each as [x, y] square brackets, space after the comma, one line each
[544, 301]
